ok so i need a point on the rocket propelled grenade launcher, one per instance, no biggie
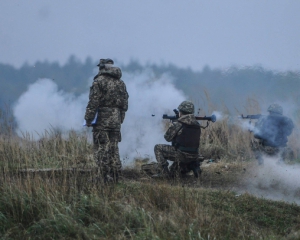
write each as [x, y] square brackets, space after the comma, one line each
[212, 118]
[172, 118]
[250, 117]
[256, 116]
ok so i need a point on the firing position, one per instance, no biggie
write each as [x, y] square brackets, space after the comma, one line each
[185, 137]
[271, 134]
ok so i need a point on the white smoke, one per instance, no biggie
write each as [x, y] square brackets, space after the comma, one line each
[275, 181]
[219, 115]
[149, 99]
[43, 107]
[247, 125]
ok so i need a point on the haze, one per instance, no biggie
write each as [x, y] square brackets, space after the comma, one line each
[188, 34]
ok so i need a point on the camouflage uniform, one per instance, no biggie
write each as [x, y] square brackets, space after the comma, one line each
[109, 99]
[270, 134]
[164, 152]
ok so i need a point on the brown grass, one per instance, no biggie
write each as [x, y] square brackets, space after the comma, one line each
[71, 204]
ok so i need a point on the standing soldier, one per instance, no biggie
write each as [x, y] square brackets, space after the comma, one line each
[271, 134]
[108, 101]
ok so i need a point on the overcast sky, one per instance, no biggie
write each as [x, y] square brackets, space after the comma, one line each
[218, 33]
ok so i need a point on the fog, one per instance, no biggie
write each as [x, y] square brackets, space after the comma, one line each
[217, 33]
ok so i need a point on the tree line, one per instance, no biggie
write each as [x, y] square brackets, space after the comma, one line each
[230, 86]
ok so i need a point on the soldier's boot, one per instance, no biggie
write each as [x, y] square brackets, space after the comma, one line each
[197, 172]
[105, 177]
[182, 170]
[177, 170]
[101, 177]
[115, 175]
[195, 167]
[164, 173]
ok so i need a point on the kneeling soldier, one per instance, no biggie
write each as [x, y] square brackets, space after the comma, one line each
[185, 137]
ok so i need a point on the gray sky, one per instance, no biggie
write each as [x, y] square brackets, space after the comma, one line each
[191, 33]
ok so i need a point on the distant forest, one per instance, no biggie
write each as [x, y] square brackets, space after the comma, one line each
[231, 86]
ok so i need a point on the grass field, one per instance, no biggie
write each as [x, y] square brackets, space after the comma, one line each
[66, 202]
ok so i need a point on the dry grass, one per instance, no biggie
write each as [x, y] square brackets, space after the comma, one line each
[71, 204]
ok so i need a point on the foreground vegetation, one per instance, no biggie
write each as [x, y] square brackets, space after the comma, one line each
[71, 204]
[42, 209]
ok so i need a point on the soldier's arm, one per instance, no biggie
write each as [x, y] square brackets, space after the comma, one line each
[93, 103]
[125, 103]
[172, 131]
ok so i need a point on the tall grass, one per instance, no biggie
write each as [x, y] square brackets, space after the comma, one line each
[40, 203]
[52, 150]
[37, 208]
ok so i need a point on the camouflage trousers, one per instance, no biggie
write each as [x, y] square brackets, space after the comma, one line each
[260, 150]
[106, 151]
[164, 152]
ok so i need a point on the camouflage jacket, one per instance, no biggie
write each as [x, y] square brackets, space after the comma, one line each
[175, 127]
[109, 97]
[273, 130]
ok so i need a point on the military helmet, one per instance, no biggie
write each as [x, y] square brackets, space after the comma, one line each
[103, 61]
[275, 108]
[186, 107]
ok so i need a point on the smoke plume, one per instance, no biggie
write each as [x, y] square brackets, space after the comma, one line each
[274, 180]
[43, 106]
[149, 99]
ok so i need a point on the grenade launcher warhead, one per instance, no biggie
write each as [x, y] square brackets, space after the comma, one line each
[212, 118]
